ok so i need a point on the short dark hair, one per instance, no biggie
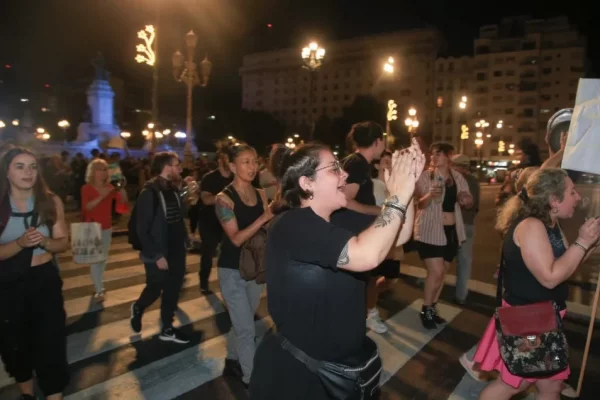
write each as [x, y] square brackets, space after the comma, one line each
[364, 134]
[161, 160]
[442, 147]
[304, 161]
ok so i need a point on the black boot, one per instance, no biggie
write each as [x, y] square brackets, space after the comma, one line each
[436, 318]
[427, 317]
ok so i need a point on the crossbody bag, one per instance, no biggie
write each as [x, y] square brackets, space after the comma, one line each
[355, 378]
[531, 337]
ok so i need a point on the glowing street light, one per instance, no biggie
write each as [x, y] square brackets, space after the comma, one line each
[2, 124]
[40, 130]
[180, 135]
[151, 125]
[479, 134]
[166, 132]
[145, 132]
[479, 142]
[388, 67]
[45, 136]
[412, 122]
[64, 124]
[313, 56]
[392, 114]
[15, 122]
[125, 135]
[463, 103]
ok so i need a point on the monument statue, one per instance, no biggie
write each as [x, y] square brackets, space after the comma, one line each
[99, 63]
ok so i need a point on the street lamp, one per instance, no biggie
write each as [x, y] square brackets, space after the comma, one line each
[64, 125]
[388, 66]
[186, 71]
[125, 135]
[147, 54]
[15, 122]
[412, 122]
[479, 143]
[463, 103]
[312, 59]
[2, 124]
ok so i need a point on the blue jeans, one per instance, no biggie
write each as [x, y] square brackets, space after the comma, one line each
[97, 270]
[463, 267]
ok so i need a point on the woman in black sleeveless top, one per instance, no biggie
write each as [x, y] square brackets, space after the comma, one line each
[538, 261]
[242, 210]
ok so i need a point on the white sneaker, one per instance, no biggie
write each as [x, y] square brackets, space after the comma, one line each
[468, 366]
[375, 323]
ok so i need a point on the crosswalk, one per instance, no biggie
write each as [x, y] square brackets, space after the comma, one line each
[108, 361]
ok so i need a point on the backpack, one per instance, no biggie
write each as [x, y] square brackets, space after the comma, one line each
[132, 234]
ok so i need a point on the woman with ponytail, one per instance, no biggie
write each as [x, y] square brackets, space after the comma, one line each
[315, 300]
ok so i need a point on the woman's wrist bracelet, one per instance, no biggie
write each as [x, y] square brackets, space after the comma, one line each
[582, 247]
[396, 206]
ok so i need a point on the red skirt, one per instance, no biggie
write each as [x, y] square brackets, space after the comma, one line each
[489, 358]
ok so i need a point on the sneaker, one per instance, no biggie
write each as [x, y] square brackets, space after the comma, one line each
[375, 323]
[436, 317]
[173, 335]
[469, 367]
[99, 297]
[427, 317]
[136, 318]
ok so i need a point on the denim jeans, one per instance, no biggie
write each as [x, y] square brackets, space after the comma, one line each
[97, 270]
[463, 267]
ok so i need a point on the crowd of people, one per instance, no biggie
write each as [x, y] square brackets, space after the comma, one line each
[335, 233]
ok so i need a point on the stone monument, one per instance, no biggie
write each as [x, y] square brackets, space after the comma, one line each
[101, 126]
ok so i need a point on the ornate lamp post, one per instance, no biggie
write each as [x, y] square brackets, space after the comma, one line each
[312, 57]
[392, 115]
[187, 73]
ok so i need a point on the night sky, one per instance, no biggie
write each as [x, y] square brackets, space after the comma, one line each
[53, 41]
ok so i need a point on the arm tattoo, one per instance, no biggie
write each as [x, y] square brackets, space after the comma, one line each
[224, 211]
[385, 218]
[344, 258]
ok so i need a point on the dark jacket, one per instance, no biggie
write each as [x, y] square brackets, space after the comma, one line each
[152, 222]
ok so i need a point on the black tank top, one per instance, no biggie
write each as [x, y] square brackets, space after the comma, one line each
[450, 197]
[520, 286]
[245, 215]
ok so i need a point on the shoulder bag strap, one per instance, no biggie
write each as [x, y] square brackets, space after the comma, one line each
[312, 364]
[500, 280]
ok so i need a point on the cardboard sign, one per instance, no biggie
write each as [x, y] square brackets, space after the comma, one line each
[582, 152]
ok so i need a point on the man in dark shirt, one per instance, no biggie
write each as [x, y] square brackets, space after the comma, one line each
[368, 140]
[210, 229]
[163, 236]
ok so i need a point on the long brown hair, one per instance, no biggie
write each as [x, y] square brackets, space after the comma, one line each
[534, 198]
[44, 198]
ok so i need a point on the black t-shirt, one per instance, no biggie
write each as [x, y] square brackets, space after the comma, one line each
[214, 183]
[319, 308]
[359, 171]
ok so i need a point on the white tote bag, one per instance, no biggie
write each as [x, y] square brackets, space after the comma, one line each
[86, 243]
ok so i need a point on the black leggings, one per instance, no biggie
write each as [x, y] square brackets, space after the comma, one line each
[32, 329]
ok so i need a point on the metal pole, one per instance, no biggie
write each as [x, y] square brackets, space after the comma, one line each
[155, 80]
[311, 101]
[189, 81]
[462, 146]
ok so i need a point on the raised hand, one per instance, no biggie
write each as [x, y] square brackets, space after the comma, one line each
[589, 232]
[407, 166]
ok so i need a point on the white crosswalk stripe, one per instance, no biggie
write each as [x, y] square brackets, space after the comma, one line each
[108, 361]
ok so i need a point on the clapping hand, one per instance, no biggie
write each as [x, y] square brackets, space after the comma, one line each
[407, 166]
[589, 233]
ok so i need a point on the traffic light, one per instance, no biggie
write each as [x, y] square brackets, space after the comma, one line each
[464, 132]
[501, 147]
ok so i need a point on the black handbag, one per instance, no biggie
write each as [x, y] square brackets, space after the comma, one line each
[356, 378]
[531, 337]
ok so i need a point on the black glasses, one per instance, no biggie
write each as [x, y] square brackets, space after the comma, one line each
[335, 166]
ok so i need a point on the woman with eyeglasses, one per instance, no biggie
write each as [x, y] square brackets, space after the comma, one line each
[32, 315]
[316, 292]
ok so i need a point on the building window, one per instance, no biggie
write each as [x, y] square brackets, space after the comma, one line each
[547, 71]
[497, 73]
[509, 111]
[481, 76]
[510, 72]
[405, 92]
[440, 102]
[451, 67]
[528, 112]
[441, 67]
